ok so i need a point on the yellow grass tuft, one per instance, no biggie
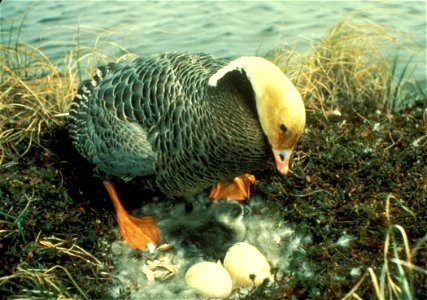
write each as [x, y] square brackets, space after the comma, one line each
[347, 66]
[35, 93]
[396, 277]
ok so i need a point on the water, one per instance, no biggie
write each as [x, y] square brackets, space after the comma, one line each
[223, 28]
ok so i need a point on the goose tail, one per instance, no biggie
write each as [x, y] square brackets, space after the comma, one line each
[79, 107]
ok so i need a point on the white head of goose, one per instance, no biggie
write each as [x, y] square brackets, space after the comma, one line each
[182, 122]
[280, 107]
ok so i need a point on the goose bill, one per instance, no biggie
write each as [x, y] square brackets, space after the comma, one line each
[282, 158]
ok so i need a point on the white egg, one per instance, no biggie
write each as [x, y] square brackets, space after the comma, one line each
[209, 280]
[246, 265]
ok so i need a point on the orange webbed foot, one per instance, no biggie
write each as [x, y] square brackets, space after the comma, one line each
[238, 188]
[137, 232]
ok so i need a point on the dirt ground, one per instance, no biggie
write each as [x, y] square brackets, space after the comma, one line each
[352, 175]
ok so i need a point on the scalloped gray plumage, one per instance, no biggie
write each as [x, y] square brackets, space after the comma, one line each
[159, 118]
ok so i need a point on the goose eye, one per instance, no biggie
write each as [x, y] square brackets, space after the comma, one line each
[283, 128]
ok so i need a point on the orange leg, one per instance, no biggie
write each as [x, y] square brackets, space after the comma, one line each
[238, 188]
[137, 232]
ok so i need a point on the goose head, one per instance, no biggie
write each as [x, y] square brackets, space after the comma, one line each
[280, 107]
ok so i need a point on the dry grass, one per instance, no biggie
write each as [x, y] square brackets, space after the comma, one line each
[348, 66]
[49, 282]
[396, 275]
[35, 94]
